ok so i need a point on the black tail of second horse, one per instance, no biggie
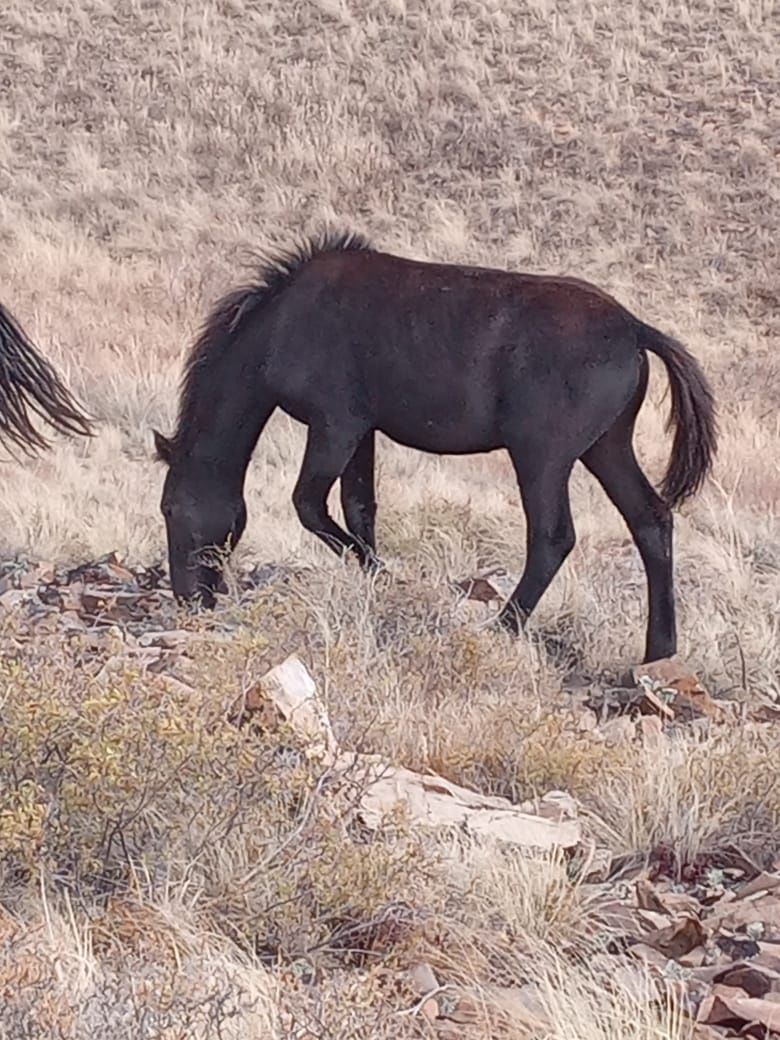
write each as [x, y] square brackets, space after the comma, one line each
[30, 386]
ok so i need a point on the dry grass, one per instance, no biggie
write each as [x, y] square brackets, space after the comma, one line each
[145, 151]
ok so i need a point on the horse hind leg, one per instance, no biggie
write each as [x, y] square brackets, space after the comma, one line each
[550, 533]
[613, 462]
[329, 450]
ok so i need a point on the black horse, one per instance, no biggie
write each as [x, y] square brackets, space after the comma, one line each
[444, 359]
[28, 383]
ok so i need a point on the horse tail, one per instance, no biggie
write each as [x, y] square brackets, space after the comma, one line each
[692, 415]
[28, 383]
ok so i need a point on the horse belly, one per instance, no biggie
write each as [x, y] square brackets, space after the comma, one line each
[439, 423]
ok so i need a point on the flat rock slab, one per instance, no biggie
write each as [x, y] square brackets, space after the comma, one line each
[427, 799]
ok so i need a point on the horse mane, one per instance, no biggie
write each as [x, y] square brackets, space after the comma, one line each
[276, 271]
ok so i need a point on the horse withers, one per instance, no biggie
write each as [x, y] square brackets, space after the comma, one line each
[445, 359]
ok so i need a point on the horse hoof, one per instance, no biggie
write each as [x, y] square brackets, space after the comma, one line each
[372, 565]
[511, 620]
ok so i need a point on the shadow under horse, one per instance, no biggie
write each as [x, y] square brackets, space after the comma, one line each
[29, 387]
[443, 358]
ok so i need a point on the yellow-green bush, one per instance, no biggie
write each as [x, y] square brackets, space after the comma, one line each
[103, 783]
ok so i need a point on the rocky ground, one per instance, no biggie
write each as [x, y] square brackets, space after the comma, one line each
[698, 938]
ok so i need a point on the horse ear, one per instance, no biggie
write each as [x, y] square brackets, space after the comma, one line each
[163, 447]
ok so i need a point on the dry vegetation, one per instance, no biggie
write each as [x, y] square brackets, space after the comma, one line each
[163, 874]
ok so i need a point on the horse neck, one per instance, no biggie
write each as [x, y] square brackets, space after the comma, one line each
[227, 418]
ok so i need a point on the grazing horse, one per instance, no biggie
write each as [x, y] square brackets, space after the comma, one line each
[29, 383]
[445, 359]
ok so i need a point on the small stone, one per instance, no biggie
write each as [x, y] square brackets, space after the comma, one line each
[430, 1009]
[423, 978]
